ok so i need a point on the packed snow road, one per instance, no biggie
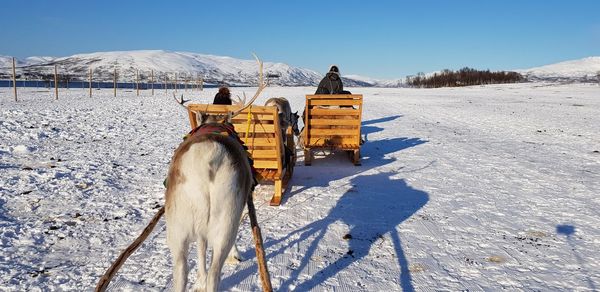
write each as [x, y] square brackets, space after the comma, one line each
[478, 188]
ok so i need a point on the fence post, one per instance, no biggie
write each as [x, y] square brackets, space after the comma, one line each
[90, 82]
[176, 83]
[166, 78]
[55, 82]
[201, 84]
[14, 79]
[115, 81]
[137, 82]
[152, 80]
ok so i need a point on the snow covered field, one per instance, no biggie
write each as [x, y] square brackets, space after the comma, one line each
[478, 188]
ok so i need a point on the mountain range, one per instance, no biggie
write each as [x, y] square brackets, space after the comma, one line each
[231, 71]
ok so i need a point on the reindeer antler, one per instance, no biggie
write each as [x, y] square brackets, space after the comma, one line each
[239, 100]
[261, 85]
[182, 101]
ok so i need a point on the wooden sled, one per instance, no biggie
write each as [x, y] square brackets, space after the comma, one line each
[264, 142]
[332, 121]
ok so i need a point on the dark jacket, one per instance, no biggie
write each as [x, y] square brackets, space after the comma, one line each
[331, 84]
[222, 97]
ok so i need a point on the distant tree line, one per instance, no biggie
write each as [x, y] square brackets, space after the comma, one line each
[463, 77]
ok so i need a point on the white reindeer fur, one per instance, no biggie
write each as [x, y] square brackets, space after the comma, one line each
[286, 117]
[205, 211]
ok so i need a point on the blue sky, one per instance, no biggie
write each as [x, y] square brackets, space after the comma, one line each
[379, 39]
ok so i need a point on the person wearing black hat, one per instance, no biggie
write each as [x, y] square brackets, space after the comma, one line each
[223, 96]
[331, 83]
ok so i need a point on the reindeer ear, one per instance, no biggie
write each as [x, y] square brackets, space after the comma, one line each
[229, 117]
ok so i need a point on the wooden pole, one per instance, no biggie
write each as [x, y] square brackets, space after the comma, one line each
[115, 82]
[14, 79]
[110, 273]
[166, 77]
[137, 82]
[201, 84]
[258, 244]
[56, 82]
[152, 80]
[175, 82]
[90, 82]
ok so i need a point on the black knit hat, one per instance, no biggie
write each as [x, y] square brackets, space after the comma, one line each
[334, 68]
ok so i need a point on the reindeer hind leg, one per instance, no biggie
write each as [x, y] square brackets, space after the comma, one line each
[179, 250]
[200, 284]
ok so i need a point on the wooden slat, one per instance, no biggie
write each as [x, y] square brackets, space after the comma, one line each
[255, 128]
[264, 154]
[334, 112]
[346, 144]
[335, 122]
[254, 117]
[334, 102]
[332, 96]
[340, 132]
[265, 164]
[333, 140]
[254, 142]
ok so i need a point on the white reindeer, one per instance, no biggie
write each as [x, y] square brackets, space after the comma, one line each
[208, 184]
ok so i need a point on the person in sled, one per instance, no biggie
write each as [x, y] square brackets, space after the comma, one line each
[332, 83]
[223, 96]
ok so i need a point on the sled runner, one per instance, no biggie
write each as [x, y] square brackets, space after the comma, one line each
[332, 121]
[260, 132]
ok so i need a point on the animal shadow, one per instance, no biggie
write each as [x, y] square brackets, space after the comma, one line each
[375, 206]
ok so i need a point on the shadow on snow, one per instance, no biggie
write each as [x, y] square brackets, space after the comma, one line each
[374, 207]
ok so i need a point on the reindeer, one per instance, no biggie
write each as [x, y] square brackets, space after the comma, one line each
[286, 119]
[210, 179]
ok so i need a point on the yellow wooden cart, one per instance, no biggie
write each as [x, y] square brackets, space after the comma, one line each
[332, 121]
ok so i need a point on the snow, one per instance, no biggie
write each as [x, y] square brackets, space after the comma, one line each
[475, 188]
[573, 69]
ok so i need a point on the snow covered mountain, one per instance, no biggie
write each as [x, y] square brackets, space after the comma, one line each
[371, 82]
[220, 69]
[214, 69]
[582, 70]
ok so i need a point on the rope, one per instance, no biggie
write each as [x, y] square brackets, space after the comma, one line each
[248, 125]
